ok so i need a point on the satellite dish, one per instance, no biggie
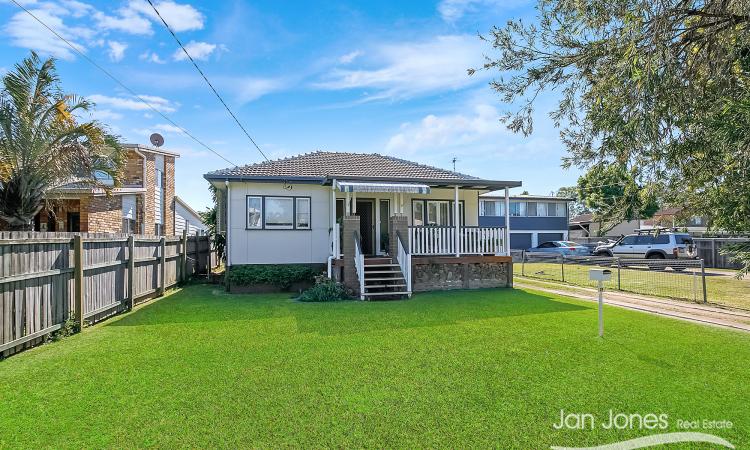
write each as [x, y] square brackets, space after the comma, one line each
[157, 140]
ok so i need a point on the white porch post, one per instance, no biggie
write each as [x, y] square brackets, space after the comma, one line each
[332, 219]
[456, 222]
[228, 246]
[401, 202]
[347, 207]
[507, 221]
[354, 203]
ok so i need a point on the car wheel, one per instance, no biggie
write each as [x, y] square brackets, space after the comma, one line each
[655, 256]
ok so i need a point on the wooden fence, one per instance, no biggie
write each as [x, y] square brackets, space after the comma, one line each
[48, 278]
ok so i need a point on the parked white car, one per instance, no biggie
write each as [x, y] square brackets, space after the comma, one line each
[651, 245]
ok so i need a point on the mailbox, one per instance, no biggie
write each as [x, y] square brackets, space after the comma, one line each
[600, 274]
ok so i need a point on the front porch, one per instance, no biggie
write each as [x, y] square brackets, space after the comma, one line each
[428, 233]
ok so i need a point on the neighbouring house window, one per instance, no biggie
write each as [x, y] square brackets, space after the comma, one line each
[541, 209]
[517, 209]
[531, 209]
[158, 229]
[128, 226]
[279, 213]
[491, 208]
[254, 212]
[129, 214]
[302, 212]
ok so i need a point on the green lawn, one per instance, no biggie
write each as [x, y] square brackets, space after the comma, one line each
[202, 368]
[721, 286]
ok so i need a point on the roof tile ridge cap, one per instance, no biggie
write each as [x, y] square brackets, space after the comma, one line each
[406, 161]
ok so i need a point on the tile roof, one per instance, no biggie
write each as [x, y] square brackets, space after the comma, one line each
[323, 164]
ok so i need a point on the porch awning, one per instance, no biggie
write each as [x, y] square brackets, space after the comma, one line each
[362, 186]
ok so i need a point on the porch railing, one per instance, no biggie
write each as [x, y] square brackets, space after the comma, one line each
[359, 264]
[404, 261]
[442, 240]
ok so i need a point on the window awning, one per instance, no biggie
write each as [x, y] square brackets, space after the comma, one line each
[361, 186]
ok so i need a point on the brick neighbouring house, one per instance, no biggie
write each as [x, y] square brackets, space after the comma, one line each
[144, 204]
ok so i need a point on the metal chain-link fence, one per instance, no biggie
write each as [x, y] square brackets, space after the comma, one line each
[683, 279]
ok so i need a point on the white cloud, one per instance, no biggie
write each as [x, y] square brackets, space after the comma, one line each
[159, 128]
[452, 10]
[349, 57]
[126, 20]
[411, 68]
[116, 50]
[151, 57]
[132, 104]
[198, 50]
[24, 31]
[440, 132]
[249, 89]
[104, 115]
[180, 17]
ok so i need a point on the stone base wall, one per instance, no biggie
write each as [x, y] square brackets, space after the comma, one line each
[438, 274]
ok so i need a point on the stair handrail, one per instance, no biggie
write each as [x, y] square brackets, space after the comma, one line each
[404, 260]
[359, 264]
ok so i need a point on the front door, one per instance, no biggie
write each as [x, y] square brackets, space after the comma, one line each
[366, 225]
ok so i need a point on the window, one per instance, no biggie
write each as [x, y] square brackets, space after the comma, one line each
[435, 212]
[541, 209]
[683, 239]
[491, 208]
[628, 240]
[302, 213]
[417, 213]
[562, 209]
[279, 212]
[128, 226]
[644, 240]
[438, 213]
[158, 229]
[661, 239]
[254, 212]
[517, 209]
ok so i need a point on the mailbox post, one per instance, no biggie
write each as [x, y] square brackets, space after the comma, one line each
[600, 275]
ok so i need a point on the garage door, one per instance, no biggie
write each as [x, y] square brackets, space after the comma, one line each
[520, 241]
[546, 237]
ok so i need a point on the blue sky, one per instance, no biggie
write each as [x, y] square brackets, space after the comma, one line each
[363, 76]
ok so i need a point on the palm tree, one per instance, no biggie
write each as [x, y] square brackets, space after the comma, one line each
[42, 145]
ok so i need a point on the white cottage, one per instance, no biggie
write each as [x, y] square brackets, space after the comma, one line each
[312, 208]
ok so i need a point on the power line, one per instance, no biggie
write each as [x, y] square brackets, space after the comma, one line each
[166, 25]
[116, 80]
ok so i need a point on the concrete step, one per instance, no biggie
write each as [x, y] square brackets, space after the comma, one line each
[375, 266]
[380, 286]
[384, 279]
[382, 294]
[377, 260]
[396, 271]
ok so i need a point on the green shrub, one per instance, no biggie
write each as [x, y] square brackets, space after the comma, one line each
[281, 275]
[325, 290]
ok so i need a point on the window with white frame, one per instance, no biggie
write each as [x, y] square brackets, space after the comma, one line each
[491, 208]
[278, 213]
[302, 213]
[517, 209]
[435, 212]
[417, 208]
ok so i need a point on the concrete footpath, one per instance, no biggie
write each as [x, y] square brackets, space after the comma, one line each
[692, 312]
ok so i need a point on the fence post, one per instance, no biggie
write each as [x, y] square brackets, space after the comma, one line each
[618, 275]
[562, 267]
[78, 275]
[703, 279]
[163, 264]
[208, 258]
[183, 261]
[131, 272]
[523, 263]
